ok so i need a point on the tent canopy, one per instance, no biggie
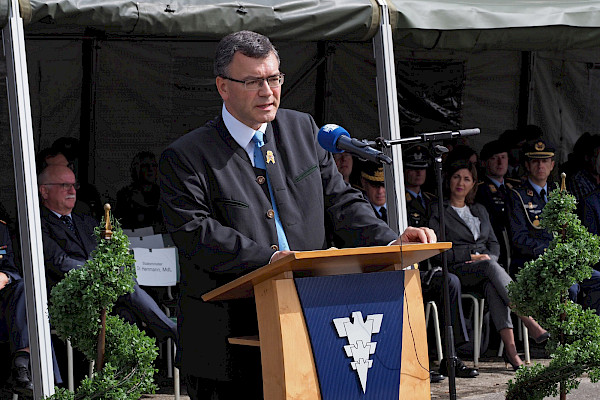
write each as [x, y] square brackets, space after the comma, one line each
[443, 24]
[500, 25]
[305, 20]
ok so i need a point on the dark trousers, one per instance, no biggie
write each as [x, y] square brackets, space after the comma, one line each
[13, 316]
[433, 291]
[13, 321]
[144, 309]
[591, 288]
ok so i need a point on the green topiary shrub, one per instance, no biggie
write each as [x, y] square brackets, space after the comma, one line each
[540, 290]
[75, 308]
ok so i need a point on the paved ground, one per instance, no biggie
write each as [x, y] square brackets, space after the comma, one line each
[491, 384]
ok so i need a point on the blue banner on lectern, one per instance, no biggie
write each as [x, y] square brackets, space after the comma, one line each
[355, 328]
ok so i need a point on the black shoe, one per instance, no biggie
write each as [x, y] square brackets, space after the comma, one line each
[21, 381]
[507, 361]
[460, 370]
[435, 377]
[542, 338]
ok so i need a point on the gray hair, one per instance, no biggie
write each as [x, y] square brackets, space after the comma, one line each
[250, 44]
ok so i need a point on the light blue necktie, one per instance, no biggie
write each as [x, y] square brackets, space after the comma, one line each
[259, 162]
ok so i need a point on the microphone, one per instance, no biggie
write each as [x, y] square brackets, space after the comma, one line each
[336, 139]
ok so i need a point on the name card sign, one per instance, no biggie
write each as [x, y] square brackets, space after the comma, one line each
[145, 231]
[147, 242]
[156, 267]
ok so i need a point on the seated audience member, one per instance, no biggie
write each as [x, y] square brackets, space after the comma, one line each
[137, 203]
[575, 159]
[515, 139]
[587, 179]
[13, 318]
[529, 239]
[431, 280]
[372, 180]
[344, 164]
[69, 240]
[416, 160]
[493, 189]
[474, 254]
[91, 204]
[87, 193]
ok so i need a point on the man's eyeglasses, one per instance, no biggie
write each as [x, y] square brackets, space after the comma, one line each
[255, 84]
[65, 186]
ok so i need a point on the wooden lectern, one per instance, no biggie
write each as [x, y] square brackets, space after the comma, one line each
[288, 364]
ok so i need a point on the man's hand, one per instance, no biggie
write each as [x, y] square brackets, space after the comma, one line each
[3, 280]
[280, 254]
[479, 257]
[416, 235]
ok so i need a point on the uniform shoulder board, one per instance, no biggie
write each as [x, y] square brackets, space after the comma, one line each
[2, 222]
[508, 185]
[429, 196]
[512, 181]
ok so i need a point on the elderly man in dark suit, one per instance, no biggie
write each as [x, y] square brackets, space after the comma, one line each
[245, 190]
[69, 241]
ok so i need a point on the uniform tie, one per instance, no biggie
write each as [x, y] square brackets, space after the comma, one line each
[543, 195]
[383, 213]
[502, 189]
[421, 201]
[259, 162]
[67, 221]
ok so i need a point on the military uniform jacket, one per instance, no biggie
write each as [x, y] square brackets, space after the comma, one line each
[416, 214]
[529, 239]
[463, 241]
[217, 210]
[494, 200]
[65, 250]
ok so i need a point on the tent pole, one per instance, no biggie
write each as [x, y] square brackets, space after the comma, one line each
[389, 121]
[27, 204]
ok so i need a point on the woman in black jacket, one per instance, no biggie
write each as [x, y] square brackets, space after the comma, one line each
[474, 254]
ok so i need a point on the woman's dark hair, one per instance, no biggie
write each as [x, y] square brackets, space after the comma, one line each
[451, 170]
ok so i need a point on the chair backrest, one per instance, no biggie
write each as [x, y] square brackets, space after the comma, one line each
[145, 231]
[147, 242]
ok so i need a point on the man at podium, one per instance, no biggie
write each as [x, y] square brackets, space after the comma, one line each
[240, 192]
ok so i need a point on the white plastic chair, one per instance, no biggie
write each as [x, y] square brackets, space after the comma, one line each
[478, 307]
[431, 306]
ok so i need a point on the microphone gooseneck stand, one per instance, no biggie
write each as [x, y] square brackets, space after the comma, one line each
[451, 360]
[437, 151]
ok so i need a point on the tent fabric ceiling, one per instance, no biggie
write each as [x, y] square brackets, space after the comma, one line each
[470, 25]
[305, 20]
[491, 24]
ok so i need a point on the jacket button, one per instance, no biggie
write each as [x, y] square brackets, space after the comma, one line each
[260, 179]
[275, 247]
[270, 214]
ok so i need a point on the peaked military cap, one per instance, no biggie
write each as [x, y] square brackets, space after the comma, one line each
[538, 148]
[373, 173]
[416, 157]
